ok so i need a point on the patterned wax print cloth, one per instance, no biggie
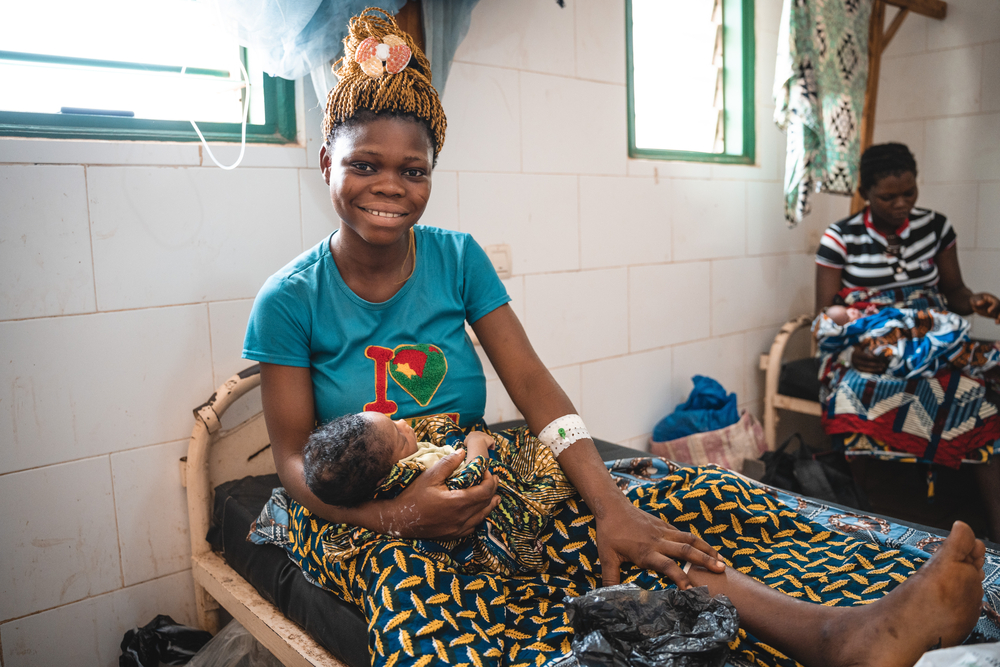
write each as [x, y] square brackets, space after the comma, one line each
[946, 418]
[819, 91]
[915, 343]
[421, 611]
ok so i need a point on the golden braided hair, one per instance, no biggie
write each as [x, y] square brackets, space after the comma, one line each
[409, 92]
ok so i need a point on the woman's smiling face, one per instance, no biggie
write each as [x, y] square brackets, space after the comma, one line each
[379, 173]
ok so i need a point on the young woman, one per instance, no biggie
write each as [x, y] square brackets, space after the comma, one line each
[894, 247]
[373, 319]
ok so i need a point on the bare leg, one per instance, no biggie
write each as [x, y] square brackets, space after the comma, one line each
[939, 603]
[988, 479]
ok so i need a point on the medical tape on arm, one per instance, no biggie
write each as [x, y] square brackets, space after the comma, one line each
[563, 432]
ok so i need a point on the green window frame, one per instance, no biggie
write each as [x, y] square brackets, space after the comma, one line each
[737, 88]
[279, 126]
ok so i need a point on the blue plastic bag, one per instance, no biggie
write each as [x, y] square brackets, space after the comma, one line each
[707, 408]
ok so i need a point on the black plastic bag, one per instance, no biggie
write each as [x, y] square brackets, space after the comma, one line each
[821, 475]
[161, 640]
[626, 626]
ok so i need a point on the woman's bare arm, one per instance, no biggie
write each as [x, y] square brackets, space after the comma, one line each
[624, 533]
[427, 508]
[961, 299]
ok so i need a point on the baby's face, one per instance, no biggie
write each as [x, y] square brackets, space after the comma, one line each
[397, 435]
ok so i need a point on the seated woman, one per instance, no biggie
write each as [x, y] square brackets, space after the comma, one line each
[372, 319]
[914, 343]
[367, 456]
[893, 254]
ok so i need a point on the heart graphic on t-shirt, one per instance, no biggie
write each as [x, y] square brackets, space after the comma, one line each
[418, 370]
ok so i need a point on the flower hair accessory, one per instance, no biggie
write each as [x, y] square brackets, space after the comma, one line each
[393, 51]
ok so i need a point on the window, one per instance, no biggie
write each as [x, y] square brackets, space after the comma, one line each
[690, 80]
[120, 69]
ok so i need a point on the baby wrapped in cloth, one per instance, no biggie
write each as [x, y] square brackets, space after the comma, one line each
[531, 484]
[914, 342]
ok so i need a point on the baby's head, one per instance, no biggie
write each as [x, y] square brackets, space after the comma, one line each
[346, 458]
[842, 315]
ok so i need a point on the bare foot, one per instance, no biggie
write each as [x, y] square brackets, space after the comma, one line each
[936, 607]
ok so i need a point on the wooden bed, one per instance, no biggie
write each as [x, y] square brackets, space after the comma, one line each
[216, 456]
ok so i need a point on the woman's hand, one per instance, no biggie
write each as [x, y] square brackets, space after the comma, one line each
[625, 533]
[866, 362]
[428, 509]
[986, 304]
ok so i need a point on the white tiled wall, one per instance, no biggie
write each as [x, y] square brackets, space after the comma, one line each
[128, 270]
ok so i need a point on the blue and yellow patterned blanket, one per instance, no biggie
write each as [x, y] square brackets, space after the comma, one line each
[420, 610]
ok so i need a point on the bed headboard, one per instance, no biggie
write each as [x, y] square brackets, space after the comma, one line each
[216, 455]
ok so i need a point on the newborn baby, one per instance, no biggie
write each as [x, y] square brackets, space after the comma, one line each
[364, 456]
[913, 342]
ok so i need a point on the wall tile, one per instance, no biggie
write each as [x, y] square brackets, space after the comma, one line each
[991, 82]
[169, 236]
[968, 22]
[60, 151]
[755, 343]
[442, 207]
[668, 303]
[499, 407]
[484, 119]
[988, 225]
[600, 40]
[958, 149]
[911, 36]
[520, 34]
[44, 242]
[569, 378]
[319, 220]
[958, 202]
[536, 214]
[91, 384]
[930, 84]
[56, 540]
[88, 633]
[910, 133]
[767, 231]
[257, 155]
[574, 317]
[660, 169]
[721, 359]
[624, 221]
[624, 397]
[756, 292]
[151, 507]
[228, 324]
[709, 219]
[571, 126]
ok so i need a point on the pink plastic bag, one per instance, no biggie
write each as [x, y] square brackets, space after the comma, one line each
[727, 447]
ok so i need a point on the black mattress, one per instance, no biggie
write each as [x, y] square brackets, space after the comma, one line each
[337, 626]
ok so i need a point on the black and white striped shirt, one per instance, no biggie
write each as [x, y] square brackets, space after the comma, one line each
[854, 245]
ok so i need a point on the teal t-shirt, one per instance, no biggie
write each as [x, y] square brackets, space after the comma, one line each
[407, 357]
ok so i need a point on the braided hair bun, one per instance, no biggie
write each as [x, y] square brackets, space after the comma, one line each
[883, 160]
[359, 96]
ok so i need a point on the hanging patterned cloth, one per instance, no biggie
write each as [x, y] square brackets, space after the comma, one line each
[819, 91]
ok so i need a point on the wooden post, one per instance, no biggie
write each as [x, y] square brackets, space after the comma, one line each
[877, 41]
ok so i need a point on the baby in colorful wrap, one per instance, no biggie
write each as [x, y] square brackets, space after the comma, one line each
[365, 456]
[913, 342]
